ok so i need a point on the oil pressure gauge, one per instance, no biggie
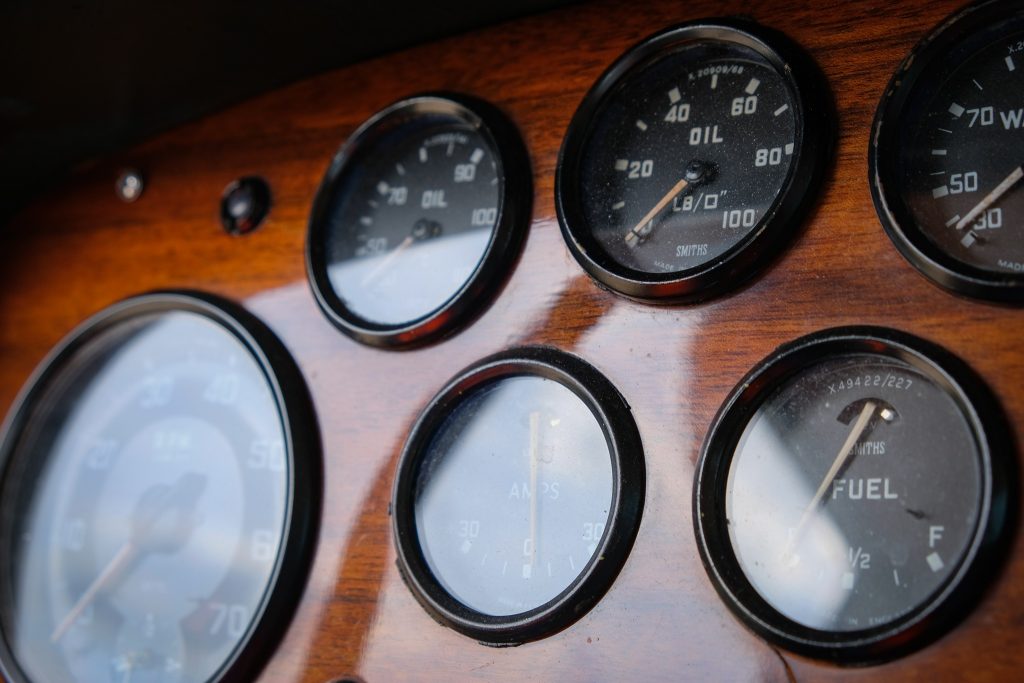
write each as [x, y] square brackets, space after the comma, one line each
[687, 165]
[851, 494]
[947, 154]
[518, 496]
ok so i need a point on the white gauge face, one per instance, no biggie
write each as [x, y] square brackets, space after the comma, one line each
[145, 507]
[513, 495]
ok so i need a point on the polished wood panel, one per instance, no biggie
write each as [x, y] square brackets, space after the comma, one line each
[79, 249]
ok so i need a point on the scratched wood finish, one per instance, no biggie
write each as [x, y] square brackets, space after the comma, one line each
[78, 249]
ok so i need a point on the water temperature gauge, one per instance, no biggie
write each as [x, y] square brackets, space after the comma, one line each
[947, 156]
[850, 493]
[688, 163]
[518, 496]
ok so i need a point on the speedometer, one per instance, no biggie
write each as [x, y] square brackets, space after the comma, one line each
[158, 491]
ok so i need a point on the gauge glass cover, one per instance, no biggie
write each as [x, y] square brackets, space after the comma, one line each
[691, 148]
[146, 501]
[514, 482]
[418, 216]
[948, 159]
[846, 490]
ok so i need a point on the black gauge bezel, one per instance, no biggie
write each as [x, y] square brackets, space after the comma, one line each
[301, 432]
[629, 489]
[515, 204]
[813, 150]
[910, 239]
[996, 519]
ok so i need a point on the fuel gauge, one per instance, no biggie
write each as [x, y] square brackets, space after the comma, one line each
[850, 493]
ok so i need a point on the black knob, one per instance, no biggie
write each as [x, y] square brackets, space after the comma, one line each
[244, 205]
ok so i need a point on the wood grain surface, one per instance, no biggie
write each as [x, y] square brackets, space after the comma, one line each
[79, 249]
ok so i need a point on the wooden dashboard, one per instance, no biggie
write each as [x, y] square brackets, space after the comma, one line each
[79, 248]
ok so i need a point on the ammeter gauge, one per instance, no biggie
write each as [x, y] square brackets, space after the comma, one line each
[518, 496]
[688, 164]
[851, 493]
[947, 154]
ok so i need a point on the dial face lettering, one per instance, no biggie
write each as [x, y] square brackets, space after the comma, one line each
[873, 481]
[143, 531]
[961, 162]
[513, 495]
[413, 220]
[704, 169]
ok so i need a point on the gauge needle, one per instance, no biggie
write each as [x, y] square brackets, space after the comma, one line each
[992, 197]
[181, 496]
[844, 454]
[633, 236]
[387, 261]
[534, 448]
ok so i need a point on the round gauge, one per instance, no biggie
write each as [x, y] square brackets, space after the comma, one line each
[158, 499]
[947, 154]
[688, 164]
[418, 220]
[851, 492]
[518, 496]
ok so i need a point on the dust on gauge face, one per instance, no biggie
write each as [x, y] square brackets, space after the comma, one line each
[853, 493]
[413, 222]
[687, 158]
[513, 495]
[144, 512]
[962, 166]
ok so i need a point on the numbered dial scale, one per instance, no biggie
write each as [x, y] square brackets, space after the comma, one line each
[851, 492]
[418, 220]
[947, 157]
[158, 499]
[518, 496]
[688, 163]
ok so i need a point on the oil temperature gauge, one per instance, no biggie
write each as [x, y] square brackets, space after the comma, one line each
[518, 496]
[687, 165]
[418, 220]
[851, 492]
[947, 155]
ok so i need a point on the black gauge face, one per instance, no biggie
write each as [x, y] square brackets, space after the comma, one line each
[855, 490]
[681, 157]
[716, 117]
[413, 217]
[951, 175]
[147, 502]
[510, 490]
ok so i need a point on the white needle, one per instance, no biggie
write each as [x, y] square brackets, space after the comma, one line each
[383, 265]
[992, 197]
[844, 453]
[633, 235]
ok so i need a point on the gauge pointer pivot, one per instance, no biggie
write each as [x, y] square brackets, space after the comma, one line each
[148, 534]
[992, 197]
